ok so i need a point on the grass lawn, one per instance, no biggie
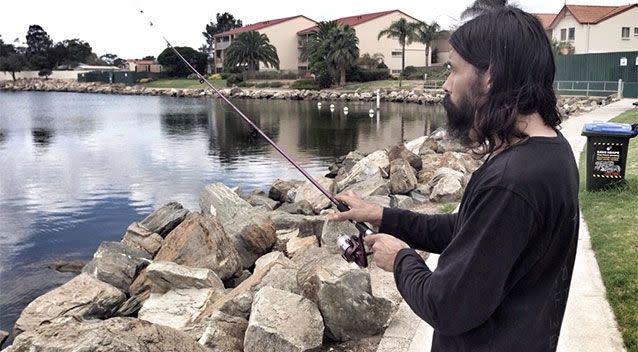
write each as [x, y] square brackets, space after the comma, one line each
[180, 83]
[612, 218]
[387, 84]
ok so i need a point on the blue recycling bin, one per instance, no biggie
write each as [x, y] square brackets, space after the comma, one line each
[607, 146]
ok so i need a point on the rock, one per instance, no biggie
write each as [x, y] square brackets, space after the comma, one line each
[400, 151]
[283, 321]
[258, 200]
[112, 335]
[383, 201]
[253, 234]
[415, 145]
[267, 260]
[401, 201]
[429, 146]
[178, 293]
[446, 185]
[200, 241]
[420, 194]
[332, 230]
[83, 297]
[431, 163]
[449, 145]
[374, 185]
[132, 305]
[165, 219]
[220, 201]
[117, 264]
[283, 236]
[298, 245]
[454, 161]
[310, 193]
[281, 190]
[343, 293]
[302, 207]
[139, 237]
[363, 168]
[67, 266]
[307, 225]
[235, 281]
[224, 333]
[3, 337]
[402, 177]
[282, 278]
[348, 162]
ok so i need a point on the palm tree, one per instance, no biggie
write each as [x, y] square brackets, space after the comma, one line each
[344, 50]
[482, 6]
[318, 45]
[249, 49]
[426, 33]
[402, 30]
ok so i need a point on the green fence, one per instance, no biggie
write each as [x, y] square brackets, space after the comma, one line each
[600, 72]
[127, 77]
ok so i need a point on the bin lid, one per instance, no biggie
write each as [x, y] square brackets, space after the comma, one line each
[609, 129]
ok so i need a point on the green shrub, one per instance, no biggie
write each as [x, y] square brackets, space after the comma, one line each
[276, 84]
[243, 84]
[215, 77]
[262, 85]
[358, 74]
[232, 80]
[272, 75]
[305, 83]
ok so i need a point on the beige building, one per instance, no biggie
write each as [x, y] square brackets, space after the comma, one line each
[368, 26]
[281, 33]
[596, 29]
[136, 65]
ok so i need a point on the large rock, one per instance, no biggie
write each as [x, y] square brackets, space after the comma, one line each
[331, 232]
[259, 200]
[307, 225]
[400, 151]
[374, 185]
[446, 185]
[112, 335]
[364, 168]
[310, 193]
[283, 321]
[402, 177]
[253, 234]
[282, 278]
[343, 294]
[3, 337]
[117, 264]
[139, 237]
[284, 191]
[224, 333]
[218, 200]
[200, 241]
[303, 207]
[298, 245]
[178, 293]
[165, 219]
[83, 297]
[382, 201]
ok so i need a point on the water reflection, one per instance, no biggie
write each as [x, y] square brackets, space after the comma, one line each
[109, 160]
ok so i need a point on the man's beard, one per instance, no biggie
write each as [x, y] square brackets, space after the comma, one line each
[460, 119]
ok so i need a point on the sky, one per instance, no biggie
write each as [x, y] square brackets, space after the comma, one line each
[117, 27]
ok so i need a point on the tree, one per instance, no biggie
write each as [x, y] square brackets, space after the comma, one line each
[249, 49]
[38, 44]
[481, 6]
[224, 22]
[149, 57]
[426, 33]
[71, 52]
[13, 63]
[45, 72]
[370, 61]
[404, 32]
[316, 50]
[6, 49]
[109, 59]
[344, 50]
[174, 65]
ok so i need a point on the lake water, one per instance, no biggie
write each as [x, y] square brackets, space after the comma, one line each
[77, 169]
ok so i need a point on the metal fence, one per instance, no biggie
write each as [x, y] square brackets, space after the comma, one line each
[589, 88]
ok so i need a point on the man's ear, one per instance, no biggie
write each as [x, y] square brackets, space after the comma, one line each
[487, 79]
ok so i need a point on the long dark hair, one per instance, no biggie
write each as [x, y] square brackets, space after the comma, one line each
[513, 46]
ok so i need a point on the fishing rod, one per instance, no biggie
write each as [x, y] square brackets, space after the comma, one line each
[352, 247]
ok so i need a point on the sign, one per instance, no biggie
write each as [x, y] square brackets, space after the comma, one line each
[623, 61]
[607, 160]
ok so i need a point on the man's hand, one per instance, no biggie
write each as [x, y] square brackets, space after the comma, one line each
[359, 210]
[385, 249]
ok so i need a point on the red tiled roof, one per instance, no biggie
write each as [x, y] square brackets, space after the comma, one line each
[257, 26]
[593, 14]
[352, 20]
[546, 19]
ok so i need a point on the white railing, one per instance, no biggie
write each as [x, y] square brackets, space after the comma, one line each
[589, 87]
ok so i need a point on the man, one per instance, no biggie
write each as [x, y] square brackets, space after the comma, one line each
[507, 256]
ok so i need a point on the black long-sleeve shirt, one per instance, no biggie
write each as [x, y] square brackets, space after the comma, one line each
[507, 256]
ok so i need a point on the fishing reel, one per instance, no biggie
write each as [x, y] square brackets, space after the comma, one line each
[352, 247]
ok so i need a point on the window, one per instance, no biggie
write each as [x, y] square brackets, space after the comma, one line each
[563, 34]
[396, 54]
[396, 72]
[625, 33]
[572, 33]
[636, 31]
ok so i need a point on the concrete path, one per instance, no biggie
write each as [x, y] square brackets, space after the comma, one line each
[589, 323]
